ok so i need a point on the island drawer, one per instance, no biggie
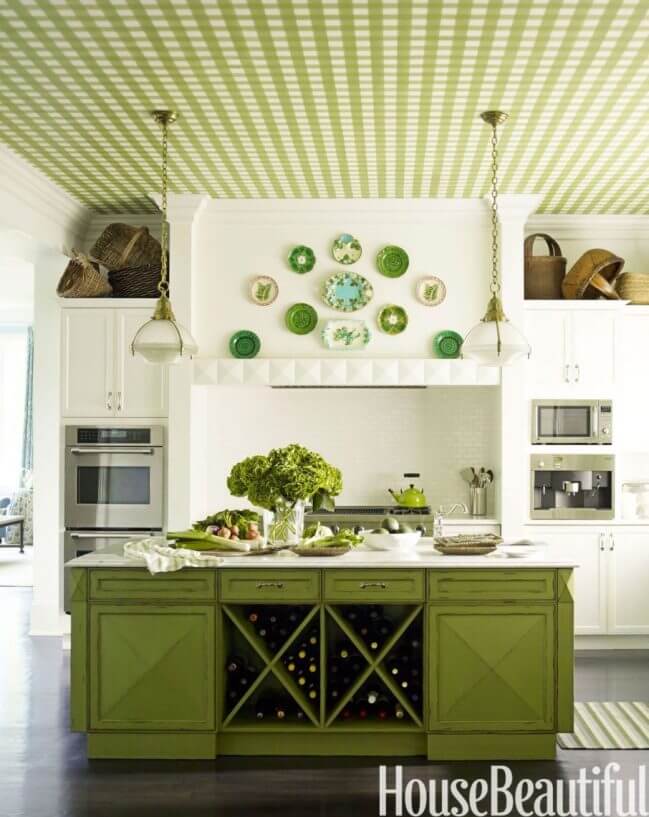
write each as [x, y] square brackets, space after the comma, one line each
[127, 584]
[269, 585]
[491, 585]
[358, 586]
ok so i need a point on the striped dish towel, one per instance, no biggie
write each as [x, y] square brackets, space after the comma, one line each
[160, 558]
[608, 725]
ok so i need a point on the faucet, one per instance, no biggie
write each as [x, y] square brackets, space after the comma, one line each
[442, 511]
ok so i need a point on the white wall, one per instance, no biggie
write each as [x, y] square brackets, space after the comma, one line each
[238, 240]
[372, 435]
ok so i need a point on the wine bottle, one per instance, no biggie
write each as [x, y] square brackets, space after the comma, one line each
[312, 666]
[345, 650]
[280, 711]
[399, 712]
[253, 616]
[235, 664]
[312, 692]
[290, 663]
[263, 708]
[347, 713]
[301, 679]
[372, 696]
[302, 652]
[313, 637]
[362, 709]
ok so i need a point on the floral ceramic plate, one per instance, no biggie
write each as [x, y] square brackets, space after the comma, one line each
[301, 259]
[447, 344]
[347, 291]
[393, 319]
[346, 249]
[264, 290]
[301, 319]
[392, 261]
[244, 344]
[346, 336]
[431, 291]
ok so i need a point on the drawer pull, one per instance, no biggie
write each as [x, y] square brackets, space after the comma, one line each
[369, 585]
[277, 585]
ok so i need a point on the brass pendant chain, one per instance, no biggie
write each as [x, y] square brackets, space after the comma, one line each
[495, 283]
[163, 286]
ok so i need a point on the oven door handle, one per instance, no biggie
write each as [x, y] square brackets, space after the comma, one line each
[75, 450]
[109, 535]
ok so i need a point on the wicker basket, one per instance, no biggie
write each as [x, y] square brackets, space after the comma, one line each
[593, 275]
[136, 282]
[122, 245]
[633, 287]
[82, 279]
[543, 273]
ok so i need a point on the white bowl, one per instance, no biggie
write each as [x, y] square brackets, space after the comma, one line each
[391, 541]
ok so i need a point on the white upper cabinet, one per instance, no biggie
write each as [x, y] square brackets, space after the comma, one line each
[100, 377]
[632, 384]
[573, 350]
[628, 573]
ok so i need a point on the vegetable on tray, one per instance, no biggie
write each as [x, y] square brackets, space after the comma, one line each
[235, 525]
[203, 540]
[345, 538]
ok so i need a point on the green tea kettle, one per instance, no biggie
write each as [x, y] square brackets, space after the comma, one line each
[410, 498]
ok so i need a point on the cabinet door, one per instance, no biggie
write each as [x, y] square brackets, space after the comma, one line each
[628, 575]
[152, 667]
[593, 351]
[492, 667]
[630, 427]
[547, 333]
[141, 387]
[88, 363]
[587, 548]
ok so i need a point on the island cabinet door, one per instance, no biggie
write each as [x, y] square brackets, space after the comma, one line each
[152, 667]
[491, 668]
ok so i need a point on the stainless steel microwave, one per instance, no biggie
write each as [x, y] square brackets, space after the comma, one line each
[584, 422]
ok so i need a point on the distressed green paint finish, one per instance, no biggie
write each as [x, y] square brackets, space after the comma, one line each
[153, 745]
[491, 747]
[382, 585]
[269, 585]
[491, 668]
[125, 584]
[491, 585]
[79, 650]
[152, 667]
[353, 98]
[565, 651]
[324, 744]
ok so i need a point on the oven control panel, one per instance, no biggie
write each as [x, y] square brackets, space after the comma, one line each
[119, 436]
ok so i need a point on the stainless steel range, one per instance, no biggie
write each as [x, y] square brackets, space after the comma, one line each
[360, 517]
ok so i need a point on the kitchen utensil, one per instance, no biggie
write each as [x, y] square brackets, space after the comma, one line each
[392, 261]
[467, 475]
[346, 249]
[301, 259]
[543, 273]
[447, 344]
[301, 319]
[347, 291]
[411, 497]
[244, 344]
[393, 319]
[391, 541]
[593, 275]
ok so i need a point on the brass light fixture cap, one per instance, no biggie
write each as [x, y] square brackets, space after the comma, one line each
[164, 117]
[493, 118]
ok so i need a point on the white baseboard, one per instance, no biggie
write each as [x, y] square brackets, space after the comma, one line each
[611, 642]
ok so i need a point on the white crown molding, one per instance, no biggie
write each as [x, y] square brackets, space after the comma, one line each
[591, 228]
[516, 206]
[182, 208]
[34, 205]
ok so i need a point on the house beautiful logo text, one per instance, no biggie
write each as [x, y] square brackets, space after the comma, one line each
[598, 792]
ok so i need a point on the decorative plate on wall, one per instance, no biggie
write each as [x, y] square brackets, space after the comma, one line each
[431, 291]
[347, 291]
[392, 261]
[264, 290]
[301, 259]
[346, 249]
[244, 344]
[301, 319]
[346, 335]
[447, 343]
[393, 319]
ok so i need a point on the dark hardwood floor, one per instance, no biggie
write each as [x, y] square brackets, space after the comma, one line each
[44, 771]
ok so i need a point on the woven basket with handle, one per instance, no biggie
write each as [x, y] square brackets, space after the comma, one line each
[543, 273]
[136, 282]
[123, 245]
[82, 279]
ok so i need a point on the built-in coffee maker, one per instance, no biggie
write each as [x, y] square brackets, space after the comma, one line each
[572, 486]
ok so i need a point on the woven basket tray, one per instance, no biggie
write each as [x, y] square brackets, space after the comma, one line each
[301, 551]
[465, 550]
[633, 287]
[470, 540]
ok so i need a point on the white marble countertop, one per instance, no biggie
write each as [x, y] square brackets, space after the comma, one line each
[423, 556]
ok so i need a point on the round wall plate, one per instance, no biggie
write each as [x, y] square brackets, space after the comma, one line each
[301, 259]
[392, 261]
[244, 344]
[447, 344]
[393, 319]
[264, 290]
[431, 291]
[301, 319]
[346, 249]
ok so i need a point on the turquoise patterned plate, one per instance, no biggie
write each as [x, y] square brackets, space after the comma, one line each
[431, 291]
[347, 291]
[346, 249]
[244, 344]
[447, 343]
[392, 261]
[393, 319]
[345, 335]
[301, 259]
[301, 319]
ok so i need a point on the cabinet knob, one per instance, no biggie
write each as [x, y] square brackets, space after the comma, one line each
[109, 401]
[119, 401]
[577, 372]
[566, 373]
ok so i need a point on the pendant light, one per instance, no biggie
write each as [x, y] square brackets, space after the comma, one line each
[162, 339]
[494, 341]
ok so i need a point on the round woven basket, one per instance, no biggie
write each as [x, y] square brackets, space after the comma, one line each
[123, 245]
[135, 282]
[82, 279]
[593, 275]
[633, 287]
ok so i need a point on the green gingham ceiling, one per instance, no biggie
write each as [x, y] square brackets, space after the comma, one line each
[325, 98]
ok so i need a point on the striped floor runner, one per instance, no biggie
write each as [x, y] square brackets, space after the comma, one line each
[608, 725]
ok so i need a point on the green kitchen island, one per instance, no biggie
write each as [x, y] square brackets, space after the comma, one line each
[488, 641]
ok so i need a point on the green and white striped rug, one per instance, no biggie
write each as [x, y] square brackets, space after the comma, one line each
[608, 725]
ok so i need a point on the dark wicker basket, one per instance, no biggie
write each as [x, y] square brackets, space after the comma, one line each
[135, 282]
[543, 273]
[123, 245]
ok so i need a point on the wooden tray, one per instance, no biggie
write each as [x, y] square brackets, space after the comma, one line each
[465, 550]
[301, 551]
[479, 539]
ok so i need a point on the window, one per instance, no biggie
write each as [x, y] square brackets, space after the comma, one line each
[13, 367]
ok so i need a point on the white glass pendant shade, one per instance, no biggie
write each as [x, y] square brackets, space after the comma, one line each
[163, 341]
[492, 343]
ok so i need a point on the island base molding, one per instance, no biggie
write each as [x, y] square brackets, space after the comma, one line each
[491, 747]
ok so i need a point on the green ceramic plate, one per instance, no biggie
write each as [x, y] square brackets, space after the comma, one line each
[431, 291]
[244, 344]
[301, 259]
[346, 249]
[447, 343]
[301, 319]
[347, 291]
[393, 319]
[392, 261]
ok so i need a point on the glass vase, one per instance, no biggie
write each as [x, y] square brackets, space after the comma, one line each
[287, 526]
